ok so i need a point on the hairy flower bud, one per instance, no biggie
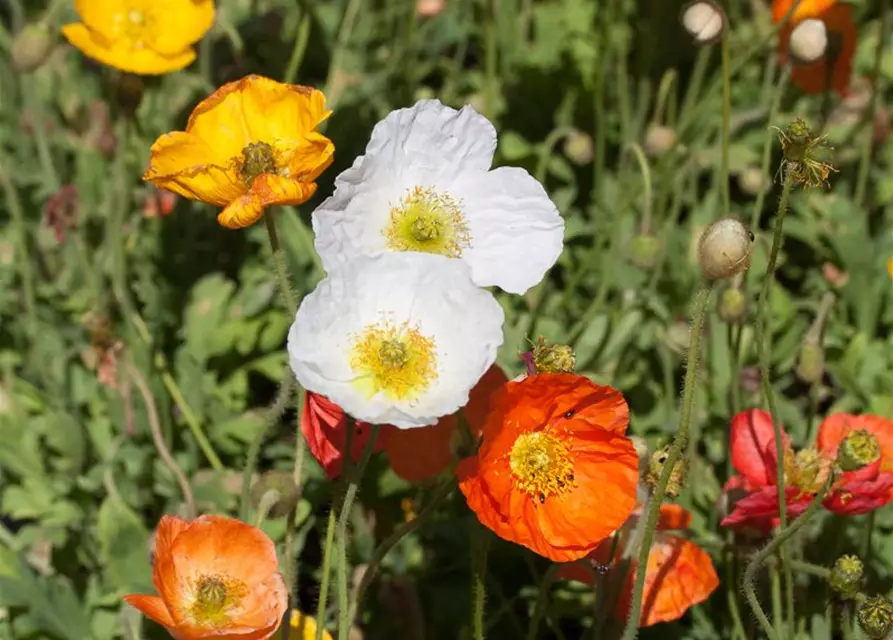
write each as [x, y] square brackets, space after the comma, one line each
[658, 140]
[808, 41]
[704, 20]
[810, 363]
[753, 181]
[846, 576]
[644, 251]
[31, 48]
[732, 305]
[724, 249]
[656, 468]
[556, 358]
[276, 491]
[859, 449]
[578, 147]
[875, 617]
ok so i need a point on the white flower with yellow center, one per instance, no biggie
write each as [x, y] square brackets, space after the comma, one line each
[399, 338]
[425, 185]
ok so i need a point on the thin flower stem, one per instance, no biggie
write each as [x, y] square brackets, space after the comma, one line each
[542, 601]
[603, 598]
[542, 165]
[767, 147]
[300, 47]
[355, 474]
[285, 288]
[326, 573]
[158, 439]
[726, 118]
[868, 146]
[647, 191]
[479, 550]
[771, 549]
[732, 595]
[867, 548]
[14, 205]
[334, 80]
[653, 508]
[777, 606]
[441, 493]
[762, 338]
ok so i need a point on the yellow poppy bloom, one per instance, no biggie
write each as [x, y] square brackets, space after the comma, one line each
[148, 37]
[303, 627]
[250, 144]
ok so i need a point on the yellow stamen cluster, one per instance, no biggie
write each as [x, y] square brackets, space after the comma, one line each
[428, 222]
[214, 597]
[398, 361]
[807, 470]
[134, 23]
[541, 464]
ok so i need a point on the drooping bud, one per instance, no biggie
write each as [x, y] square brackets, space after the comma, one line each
[555, 358]
[276, 492]
[875, 617]
[578, 147]
[724, 249]
[732, 305]
[704, 20]
[810, 363]
[644, 251]
[31, 48]
[753, 181]
[678, 337]
[846, 576]
[656, 468]
[859, 449]
[809, 41]
[658, 140]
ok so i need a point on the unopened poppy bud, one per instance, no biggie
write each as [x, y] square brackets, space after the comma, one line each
[275, 492]
[846, 576]
[678, 337]
[732, 305]
[859, 449]
[724, 249]
[753, 181]
[644, 251]
[656, 468]
[875, 617]
[578, 147]
[658, 140]
[704, 20]
[31, 48]
[808, 41]
[555, 358]
[810, 363]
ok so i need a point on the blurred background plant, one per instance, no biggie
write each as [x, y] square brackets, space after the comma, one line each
[132, 324]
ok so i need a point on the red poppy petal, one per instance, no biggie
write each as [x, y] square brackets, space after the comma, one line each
[856, 498]
[752, 441]
[759, 510]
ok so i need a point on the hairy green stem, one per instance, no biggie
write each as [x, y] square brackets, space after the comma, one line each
[653, 508]
[726, 118]
[774, 546]
[777, 95]
[300, 46]
[326, 573]
[479, 550]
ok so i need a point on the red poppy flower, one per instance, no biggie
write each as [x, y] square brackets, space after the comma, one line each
[832, 71]
[754, 457]
[216, 578]
[414, 454]
[555, 472]
[324, 425]
[679, 574]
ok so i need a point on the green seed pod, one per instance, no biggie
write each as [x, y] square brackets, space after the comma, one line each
[644, 251]
[875, 617]
[732, 305]
[677, 475]
[811, 363]
[846, 576]
[859, 449]
[31, 48]
[578, 147]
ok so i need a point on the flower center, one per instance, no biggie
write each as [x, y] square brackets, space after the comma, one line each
[398, 361]
[135, 24]
[257, 158]
[429, 222]
[541, 464]
[807, 470]
[214, 596]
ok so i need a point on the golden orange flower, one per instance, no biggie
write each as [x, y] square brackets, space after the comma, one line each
[250, 144]
[216, 578]
[303, 627]
[555, 472]
[148, 37]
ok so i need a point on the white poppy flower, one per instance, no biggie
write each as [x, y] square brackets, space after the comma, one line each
[399, 338]
[425, 184]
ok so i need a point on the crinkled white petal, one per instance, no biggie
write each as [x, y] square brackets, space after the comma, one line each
[426, 142]
[430, 292]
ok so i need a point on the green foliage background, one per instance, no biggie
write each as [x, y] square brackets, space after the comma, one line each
[196, 310]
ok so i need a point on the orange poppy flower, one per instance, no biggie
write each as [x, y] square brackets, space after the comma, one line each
[832, 71]
[147, 37]
[836, 427]
[555, 472]
[679, 574]
[250, 144]
[216, 578]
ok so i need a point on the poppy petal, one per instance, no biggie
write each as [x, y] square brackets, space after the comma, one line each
[752, 441]
[121, 55]
[759, 510]
[152, 607]
[805, 10]
[859, 497]
[837, 426]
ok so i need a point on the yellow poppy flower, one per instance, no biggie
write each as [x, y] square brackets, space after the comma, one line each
[303, 627]
[250, 144]
[148, 37]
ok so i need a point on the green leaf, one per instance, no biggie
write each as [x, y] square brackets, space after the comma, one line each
[124, 546]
